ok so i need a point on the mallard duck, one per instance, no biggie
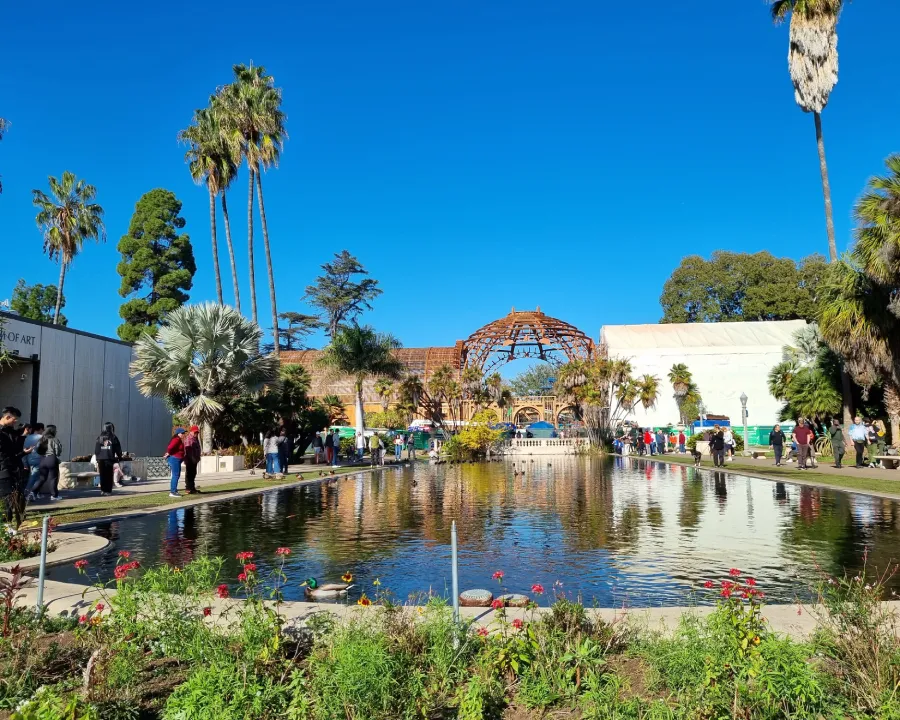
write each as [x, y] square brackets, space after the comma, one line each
[327, 591]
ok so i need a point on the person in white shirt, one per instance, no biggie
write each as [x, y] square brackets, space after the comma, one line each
[729, 445]
[360, 445]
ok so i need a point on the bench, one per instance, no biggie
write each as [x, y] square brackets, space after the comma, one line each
[86, 478]
[757, 455]
[891, 462]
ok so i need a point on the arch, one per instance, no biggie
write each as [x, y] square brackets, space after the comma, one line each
[527, 334]
[526, 415]
[566, 416]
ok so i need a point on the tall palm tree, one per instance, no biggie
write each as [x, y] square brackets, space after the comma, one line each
[203, 356]
[877, 214]
[680, 377]
[333, 406]
[361, 353]
[813, 65]
[648, 390]
[67, 217]
[254, 108]
[4, 128]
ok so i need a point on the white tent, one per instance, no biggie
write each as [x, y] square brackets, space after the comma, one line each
[726, 359]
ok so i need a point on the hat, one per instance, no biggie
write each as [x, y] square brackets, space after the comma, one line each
[195, 429]
[180, 431]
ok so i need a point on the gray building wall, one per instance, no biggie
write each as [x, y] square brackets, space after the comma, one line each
[83, 382]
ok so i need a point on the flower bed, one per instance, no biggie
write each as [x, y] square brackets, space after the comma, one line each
[168, 644]
[21, 544]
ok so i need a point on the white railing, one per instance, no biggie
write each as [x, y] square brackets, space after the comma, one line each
[543, 446]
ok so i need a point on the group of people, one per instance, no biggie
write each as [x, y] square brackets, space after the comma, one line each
[868, 437]
[184, 449]
[327, 447]
[646, 441]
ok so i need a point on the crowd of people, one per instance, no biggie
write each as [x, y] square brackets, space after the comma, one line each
[646, 441]
[868, 437]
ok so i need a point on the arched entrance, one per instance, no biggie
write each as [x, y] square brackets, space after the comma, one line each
[527, 415]
[527, 334]
[566, 416]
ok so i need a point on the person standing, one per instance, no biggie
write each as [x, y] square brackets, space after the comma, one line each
[836, 433]
[360, 445]
[329, 447]
[802, 435]
[49, 449]
[31, 460]
[728, 437]
[284, 450]
[174, 457]
[872, 437]
[717, 446]
[108, 451]
[881, 443]
[335, 448]
[398, 446]
[10, 460]
[270, 450]
[776, 440]
[859, 436]
[411, 447]
[318, 447]
[660, 442]
[682, 441]
[374, 448]
[192, 454]
[649, 442]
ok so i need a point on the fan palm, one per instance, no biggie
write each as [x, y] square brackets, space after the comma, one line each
[384, 388]
[201, 356]
[648, 390]
[333, 406]
[680, 377]
[253, 106]
[412, 391]
[361, 353]
[877, 214]
[780, 378]
[813, 65]
[67, 217]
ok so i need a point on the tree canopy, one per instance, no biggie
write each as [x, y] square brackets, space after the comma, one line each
[536, 380]
[157, 264]
[733, 287]
[293, 335]
[340, 298]
[37, 302]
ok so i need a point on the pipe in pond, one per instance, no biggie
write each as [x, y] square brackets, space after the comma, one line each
[45, 531]
[454, 555]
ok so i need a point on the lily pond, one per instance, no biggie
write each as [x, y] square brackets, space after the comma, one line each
[614, 531]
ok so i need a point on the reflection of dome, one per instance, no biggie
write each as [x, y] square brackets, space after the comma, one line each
[528, 334]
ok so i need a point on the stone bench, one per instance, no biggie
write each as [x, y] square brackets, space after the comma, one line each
[891, 462]
[85, 478]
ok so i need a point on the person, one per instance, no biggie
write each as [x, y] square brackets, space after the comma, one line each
[717, 446]
[284, 450]
[175, 456]
[649, 442]
[872, 438]
[270, 449]
[192, 453]
[360, 445]
[329, 448]
[802, 436]
[108, 451]
[728, 437]
[411, 446]
[776, 440]
[49, 449]
[31, 460]
[859, 436]
[660, 442]
[318, 446]
[880, 442]
[336, 447]
[641, 447]
[374, 448]
[836, 433]
[682, 441]
[10, 459]
[398, 446]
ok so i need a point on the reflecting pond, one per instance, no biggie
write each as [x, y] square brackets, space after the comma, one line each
[614, 530]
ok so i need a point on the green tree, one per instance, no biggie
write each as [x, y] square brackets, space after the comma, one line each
[333, 407]
[67, 217]
[293, 335]
[202, 357]
[361, 353]
[813, 65]
[252, 108]
[536, 380]
[157, 264]
[36, 302]
[686, 393]
[340, 298]
[808, 380]
[384, 388]
[733, 287]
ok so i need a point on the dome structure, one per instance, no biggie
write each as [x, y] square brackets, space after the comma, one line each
[524, 334]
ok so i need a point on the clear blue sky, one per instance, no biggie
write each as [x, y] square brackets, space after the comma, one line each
[474, 155]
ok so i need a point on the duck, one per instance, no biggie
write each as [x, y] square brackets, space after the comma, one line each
[328, 591]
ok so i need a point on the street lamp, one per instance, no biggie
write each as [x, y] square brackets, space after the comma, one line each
[746, 452]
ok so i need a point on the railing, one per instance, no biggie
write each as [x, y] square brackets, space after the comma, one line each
[544, 445]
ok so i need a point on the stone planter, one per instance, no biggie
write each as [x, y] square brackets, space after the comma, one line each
[220, 463]
[68, 471]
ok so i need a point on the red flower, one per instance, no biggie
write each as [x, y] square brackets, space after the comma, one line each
[207, 611]
[734, 572]
[746, 595]
[708, 584]
[497, 604]
[727, 584]
[498, 575]
[537, 589]
[82, 619]
[81, 565]
[250, 568]
[518, 624]
[242, 577]
[364, 601]
[283, 551]
[121, 571]
[222, 591]
[245, 555]
[124, 554]
[726, 593]
[100, 607]
[751, 582]
[483, 631]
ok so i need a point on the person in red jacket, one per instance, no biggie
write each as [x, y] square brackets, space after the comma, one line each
[649, 442]
[175, 456]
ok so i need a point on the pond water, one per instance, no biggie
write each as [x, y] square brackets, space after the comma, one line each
[616, 531]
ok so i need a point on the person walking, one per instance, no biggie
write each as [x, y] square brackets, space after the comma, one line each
[728, 437]
[174, 457]
[411, 447]
[649, 442]
[682, 441]
[374, 449]
[31, 460]
[284, 450]
[660, 442]
[880, 441]
[872, 438]
[318, 447]
[49, 449]
[108, 451]
[802, 435]
[335, 448]
[860, 437]
[777, 439]
[836, 433]
[398, 446]
[10, 461]
[329, 447]
[717, 446]
[270, 450]
[192, 454]
[360, 446]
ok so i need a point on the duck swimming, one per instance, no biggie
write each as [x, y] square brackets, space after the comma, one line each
[328, 591]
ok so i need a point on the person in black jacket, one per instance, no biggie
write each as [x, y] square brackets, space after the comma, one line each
[717, 446]
[10, 459]
[776, 440]
[108, 452]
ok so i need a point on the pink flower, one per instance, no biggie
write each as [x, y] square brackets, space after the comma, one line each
[100, 607]
[80, 565]
[250, 568]
[283, 551]
[124, 554]
[751, 582]
[82, 619]
[498, 575]
[726, 593]
[207, 611]
[708, 584]
[497, 604]
[734, 572]
[537, 589]
[245, 555]
[222, 591]
[483, 631]
[518, 623]
[242, 577]
[727, 584]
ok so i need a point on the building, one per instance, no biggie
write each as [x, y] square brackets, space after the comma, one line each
[78, 381]
[726, 360]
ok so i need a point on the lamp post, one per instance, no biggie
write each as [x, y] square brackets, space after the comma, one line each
[746, 452]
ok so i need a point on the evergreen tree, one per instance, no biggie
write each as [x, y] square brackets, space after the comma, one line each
[157, 266]
[338, 296]
[36, 302]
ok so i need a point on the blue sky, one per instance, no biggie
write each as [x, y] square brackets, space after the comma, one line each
[474, 155]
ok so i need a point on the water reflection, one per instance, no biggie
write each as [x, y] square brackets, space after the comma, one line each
[615, 531]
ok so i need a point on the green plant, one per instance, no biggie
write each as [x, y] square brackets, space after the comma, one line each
[48, 704]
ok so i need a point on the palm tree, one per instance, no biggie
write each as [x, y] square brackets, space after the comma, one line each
[361, 353]
[412, 391]
[333, 406]
[648, 390]
[384, 388]
[680, 377]
[780, 378]
[4, 128]
[813, 64]
[203, 356]
[254, 108]
[877, 215]
[67, 217]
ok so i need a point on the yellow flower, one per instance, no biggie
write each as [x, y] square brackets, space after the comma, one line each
[756, 640]
[377, 582]
[364, 601]
[347, 577]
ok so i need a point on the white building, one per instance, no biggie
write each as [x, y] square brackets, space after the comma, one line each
[725, 359]
[78, 381]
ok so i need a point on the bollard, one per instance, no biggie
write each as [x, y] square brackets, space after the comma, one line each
[454, 555]
[45, 531]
